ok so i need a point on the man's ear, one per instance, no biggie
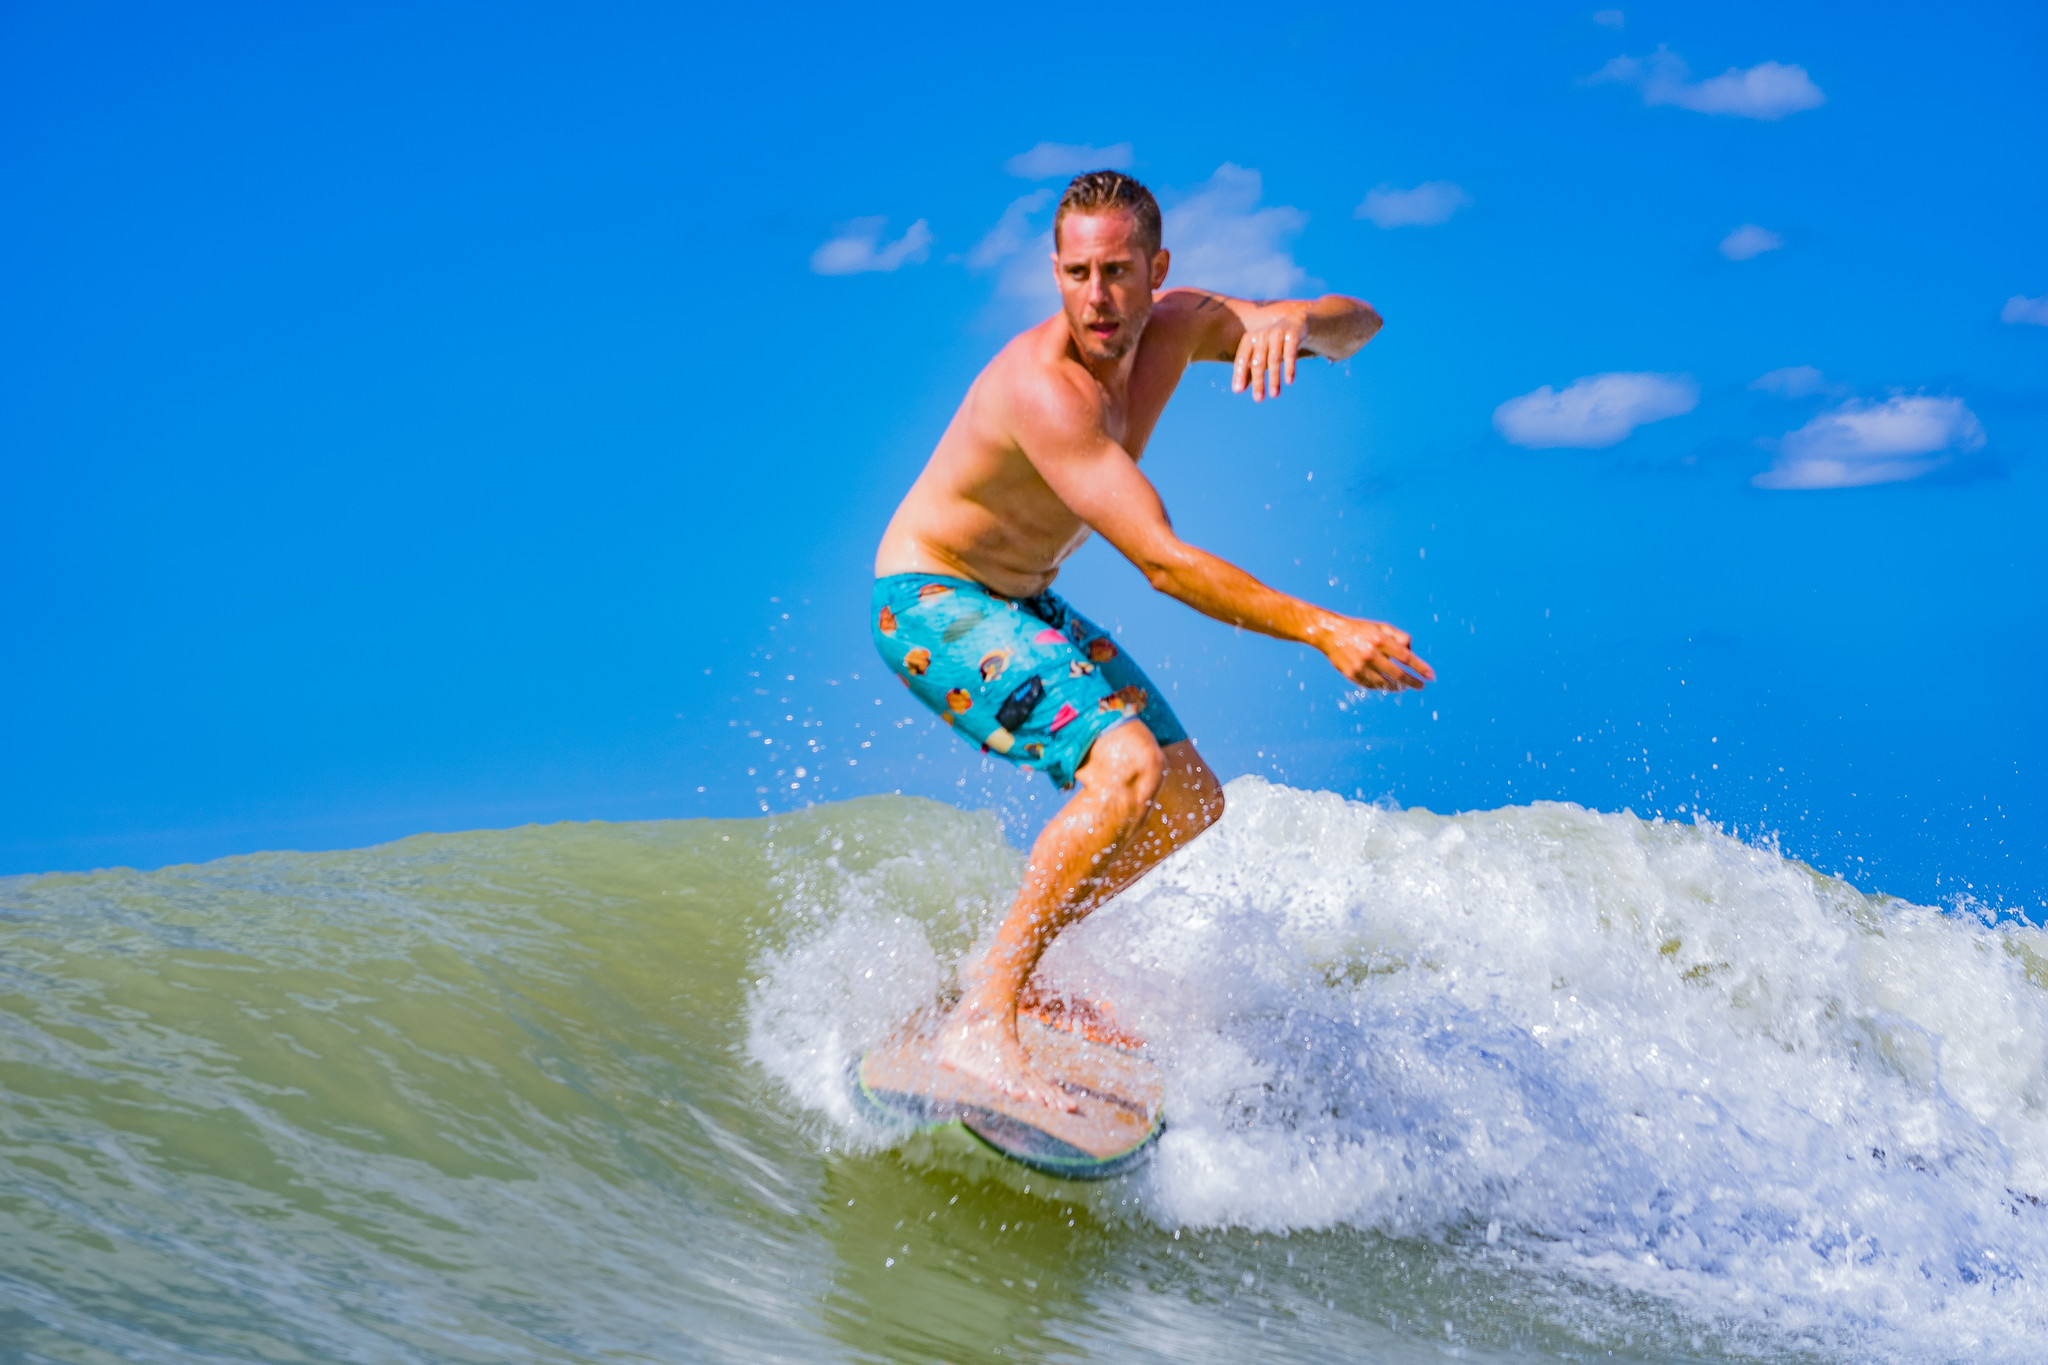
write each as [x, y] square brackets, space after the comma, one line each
[1161, 259]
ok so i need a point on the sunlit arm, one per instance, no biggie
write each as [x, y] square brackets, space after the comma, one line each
[1370, 653]
[1098, 479]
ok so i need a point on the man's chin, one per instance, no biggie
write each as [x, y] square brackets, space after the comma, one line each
[1096, 346]
[1115, 348]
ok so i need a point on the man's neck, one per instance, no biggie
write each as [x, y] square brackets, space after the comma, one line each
[1113, 375]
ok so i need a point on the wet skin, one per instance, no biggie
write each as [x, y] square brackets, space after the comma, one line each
[1044, 450]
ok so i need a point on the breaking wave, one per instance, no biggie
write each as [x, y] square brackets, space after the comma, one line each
[1580, 1049]
[1536, 1081]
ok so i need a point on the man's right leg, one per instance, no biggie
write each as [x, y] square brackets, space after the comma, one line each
[1064, 879]
[1185, 800]
[1188, 801]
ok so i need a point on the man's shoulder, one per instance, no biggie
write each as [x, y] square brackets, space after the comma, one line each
[1036, 381]
[1180, 314]
[1182, 305]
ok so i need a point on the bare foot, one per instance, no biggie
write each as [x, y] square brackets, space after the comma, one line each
[1094, 1020]
[986, 1048]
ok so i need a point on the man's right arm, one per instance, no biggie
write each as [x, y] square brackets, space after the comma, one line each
[1061, 433]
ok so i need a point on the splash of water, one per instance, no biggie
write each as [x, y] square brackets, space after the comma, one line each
[1534, 1081]
[1602, 1055]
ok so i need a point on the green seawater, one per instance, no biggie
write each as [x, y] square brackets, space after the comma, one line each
[498, 1096]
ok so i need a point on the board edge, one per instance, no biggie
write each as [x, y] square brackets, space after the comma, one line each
[1081, 1166]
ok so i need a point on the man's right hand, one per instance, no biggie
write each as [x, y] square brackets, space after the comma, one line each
[1372, 654]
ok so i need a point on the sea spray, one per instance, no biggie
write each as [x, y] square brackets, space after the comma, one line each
[873, 923]
[1636, 1056]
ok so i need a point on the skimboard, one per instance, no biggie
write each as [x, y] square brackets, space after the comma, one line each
[1119, 1092]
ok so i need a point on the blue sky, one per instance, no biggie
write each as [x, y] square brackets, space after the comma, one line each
[432, 417]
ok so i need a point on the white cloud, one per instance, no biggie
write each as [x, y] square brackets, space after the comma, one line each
[1012, 232]
[1768, 90]
[1222, 240]
[1608, 18]
[1794, 381]
[1021, 244]
[1430, 203]
[2020, 308]
[1027, 278]
[1861, 443]
[1050, 160]
[1750, 241]
[1595, 411]
[858, 248]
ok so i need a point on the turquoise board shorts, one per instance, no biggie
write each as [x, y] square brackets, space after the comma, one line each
[1029, 678]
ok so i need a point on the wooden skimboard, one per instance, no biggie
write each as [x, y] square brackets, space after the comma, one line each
[1118, 1090]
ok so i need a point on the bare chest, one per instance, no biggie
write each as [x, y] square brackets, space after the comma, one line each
[1130, 418]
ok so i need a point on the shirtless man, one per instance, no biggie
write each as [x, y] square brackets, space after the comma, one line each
[1044, 450]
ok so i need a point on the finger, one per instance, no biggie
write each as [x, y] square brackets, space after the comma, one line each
[1241, 368]
[1274, 352]
[1398, 678]
[1368, 674]
[1413, 662]
[1293, 353]
[1259, 370]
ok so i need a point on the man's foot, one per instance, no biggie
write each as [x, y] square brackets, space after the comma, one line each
[985, 1047]
[1094, 1020]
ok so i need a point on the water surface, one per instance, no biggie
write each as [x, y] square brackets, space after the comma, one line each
[1530, 1082]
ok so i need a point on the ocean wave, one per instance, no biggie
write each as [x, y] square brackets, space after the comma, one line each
[1636, 1056]
[1537, 1080]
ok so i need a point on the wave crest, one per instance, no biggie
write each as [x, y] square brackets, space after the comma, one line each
[1637, 1054]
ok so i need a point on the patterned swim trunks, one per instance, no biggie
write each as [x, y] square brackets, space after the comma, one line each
[1029, 678]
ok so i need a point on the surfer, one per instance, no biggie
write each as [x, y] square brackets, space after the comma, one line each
[1043, 450]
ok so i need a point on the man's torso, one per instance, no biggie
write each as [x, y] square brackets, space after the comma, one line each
[980, 510]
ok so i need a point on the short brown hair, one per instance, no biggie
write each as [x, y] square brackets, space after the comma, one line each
[1110, 192]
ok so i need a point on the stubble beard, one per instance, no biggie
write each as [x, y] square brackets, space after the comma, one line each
[1115, 351]
[1126, 340]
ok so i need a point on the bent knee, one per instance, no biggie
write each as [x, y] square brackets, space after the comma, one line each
[1126, 765]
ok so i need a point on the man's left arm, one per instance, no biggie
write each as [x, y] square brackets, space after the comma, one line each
[1263, 340]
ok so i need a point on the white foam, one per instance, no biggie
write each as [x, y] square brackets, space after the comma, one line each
[1633, 1055]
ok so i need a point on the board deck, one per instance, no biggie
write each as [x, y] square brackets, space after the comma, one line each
[1118, 1090]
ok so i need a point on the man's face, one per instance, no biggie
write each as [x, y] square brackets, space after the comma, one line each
[1106, 282]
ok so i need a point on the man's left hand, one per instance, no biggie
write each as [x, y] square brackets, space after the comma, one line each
[1268, 350]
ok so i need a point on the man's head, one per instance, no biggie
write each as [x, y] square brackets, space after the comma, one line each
[1107, 257]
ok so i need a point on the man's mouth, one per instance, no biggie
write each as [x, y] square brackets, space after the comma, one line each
[1104, 330]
